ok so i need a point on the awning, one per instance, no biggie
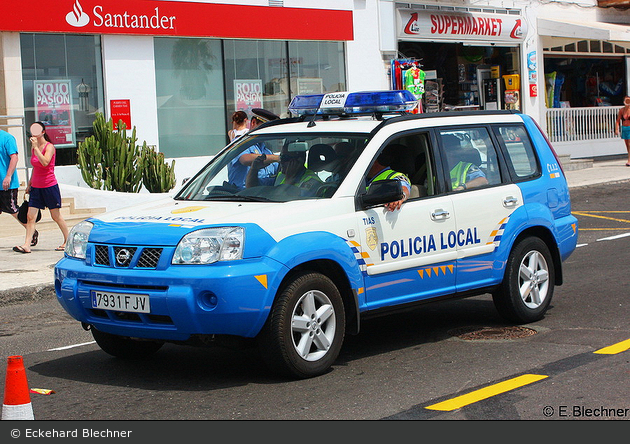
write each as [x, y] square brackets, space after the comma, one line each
[562, 32]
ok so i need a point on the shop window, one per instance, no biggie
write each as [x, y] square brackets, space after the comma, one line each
[256, 76]
[267, 74]
[63, 87]
[189, 88]
[317, 67]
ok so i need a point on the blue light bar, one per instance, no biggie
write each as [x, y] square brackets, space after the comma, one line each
[365, 102]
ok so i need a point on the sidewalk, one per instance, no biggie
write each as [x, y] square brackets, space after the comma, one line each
[31, 276]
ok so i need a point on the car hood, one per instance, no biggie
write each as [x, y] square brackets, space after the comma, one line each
[166, 221]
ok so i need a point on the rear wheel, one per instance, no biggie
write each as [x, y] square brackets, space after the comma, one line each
[305, 329]
[123, 347]
[528, 286]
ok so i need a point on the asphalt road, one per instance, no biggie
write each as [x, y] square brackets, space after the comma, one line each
[398, 368]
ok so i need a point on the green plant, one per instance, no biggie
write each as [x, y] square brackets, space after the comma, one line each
[111, 160]
[157, 175]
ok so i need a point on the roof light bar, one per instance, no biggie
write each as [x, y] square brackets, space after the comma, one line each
[365, 102]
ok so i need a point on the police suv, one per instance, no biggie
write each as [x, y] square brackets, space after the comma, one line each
[286, 241]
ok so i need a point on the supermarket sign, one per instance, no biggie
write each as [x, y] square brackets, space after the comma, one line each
[460, 26]
[177, 18]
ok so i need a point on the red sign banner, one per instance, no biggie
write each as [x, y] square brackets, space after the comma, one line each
[120, 109]
[460, 26]
[178, 18]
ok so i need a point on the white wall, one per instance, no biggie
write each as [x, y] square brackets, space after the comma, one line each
[366, 68]
[129, 73]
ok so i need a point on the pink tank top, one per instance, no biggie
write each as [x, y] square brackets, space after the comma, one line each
[43, 176]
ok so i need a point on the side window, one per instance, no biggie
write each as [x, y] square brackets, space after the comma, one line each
[410, 155]
[519, 151]
[471, 158]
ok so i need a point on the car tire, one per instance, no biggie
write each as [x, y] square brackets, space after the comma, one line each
[123, 347]
[306, 326]
[527, 288]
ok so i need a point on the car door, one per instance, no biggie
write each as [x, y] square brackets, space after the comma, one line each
[481, 210]
[405, 258]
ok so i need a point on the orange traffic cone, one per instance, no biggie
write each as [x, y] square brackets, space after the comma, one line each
[17, 401]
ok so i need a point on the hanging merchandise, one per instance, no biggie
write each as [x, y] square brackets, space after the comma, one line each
[406, 74]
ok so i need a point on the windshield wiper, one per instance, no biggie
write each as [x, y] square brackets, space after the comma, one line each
[238, 198]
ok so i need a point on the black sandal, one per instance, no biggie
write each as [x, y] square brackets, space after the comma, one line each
[35, 238]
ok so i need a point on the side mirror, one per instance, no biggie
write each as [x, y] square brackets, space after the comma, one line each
[382, 192]
[186, 179]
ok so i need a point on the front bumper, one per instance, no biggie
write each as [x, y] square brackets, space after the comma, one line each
[224, 298]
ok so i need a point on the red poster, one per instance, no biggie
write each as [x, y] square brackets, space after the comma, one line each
[53, 108]
[533, 90]
[120, 110]
[248, 95]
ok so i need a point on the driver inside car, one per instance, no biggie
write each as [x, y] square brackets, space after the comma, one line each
[292, 172]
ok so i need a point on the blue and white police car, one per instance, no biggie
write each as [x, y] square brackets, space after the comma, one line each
[286, 240]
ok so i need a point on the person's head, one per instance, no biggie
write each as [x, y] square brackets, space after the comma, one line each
[39, 129]
[292, 162]
[239, 117]
[254, 122]
[626, 101]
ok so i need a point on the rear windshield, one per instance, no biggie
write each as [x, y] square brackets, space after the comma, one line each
[277, 168]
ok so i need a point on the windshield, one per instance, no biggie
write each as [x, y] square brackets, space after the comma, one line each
[277, 168]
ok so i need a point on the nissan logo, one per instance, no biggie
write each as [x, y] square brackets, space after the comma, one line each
[123, 257]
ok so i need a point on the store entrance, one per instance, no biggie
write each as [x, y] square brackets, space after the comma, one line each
[461, 77]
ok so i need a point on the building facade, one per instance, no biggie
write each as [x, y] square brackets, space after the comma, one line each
[177, 70]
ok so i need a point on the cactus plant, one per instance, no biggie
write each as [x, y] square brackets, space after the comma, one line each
[157, 175]
[111, 160]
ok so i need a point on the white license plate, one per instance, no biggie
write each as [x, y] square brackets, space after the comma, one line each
[135, 303]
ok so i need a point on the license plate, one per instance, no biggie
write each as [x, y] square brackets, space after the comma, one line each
[135, 303]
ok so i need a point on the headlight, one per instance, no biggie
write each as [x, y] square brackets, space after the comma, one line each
[78, 239]
[210, 245]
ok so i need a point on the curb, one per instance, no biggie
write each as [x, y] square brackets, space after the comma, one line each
[30, 293]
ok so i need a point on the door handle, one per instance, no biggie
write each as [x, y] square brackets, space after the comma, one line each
[440, 214]
[510, 201]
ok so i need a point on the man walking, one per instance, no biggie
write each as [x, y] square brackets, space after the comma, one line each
[8, 173]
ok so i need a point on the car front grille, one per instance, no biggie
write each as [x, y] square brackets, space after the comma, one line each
[126, 257]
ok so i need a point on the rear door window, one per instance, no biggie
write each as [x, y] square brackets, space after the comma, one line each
[519, 151]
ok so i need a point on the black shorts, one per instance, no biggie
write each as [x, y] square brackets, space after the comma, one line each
[45, 197]
[8, 201]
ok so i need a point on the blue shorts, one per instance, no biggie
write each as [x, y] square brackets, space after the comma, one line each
[45, 197]
[625, 132]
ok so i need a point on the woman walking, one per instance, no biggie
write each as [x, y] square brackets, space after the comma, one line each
[623, 118]
[42, 188]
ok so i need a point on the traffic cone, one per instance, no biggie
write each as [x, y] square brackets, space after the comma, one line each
[17, 401]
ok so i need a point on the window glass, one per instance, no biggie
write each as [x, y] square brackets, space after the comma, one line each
[317, 67]
[471, 158]
[189, 84]
[294, 166]
[63, 87]
[410, 155]
[256, 76]
[520, 152]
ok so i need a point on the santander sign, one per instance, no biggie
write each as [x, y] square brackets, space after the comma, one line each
[121, 19]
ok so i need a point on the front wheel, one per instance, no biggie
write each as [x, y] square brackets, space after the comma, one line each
[528, 285]
[306, 326]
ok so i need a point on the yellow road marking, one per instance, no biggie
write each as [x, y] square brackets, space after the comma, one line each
[604, 229]
[615, 348]
[586, 213]
[487, 392]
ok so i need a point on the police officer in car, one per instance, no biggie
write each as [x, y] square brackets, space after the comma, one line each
[381, 170]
